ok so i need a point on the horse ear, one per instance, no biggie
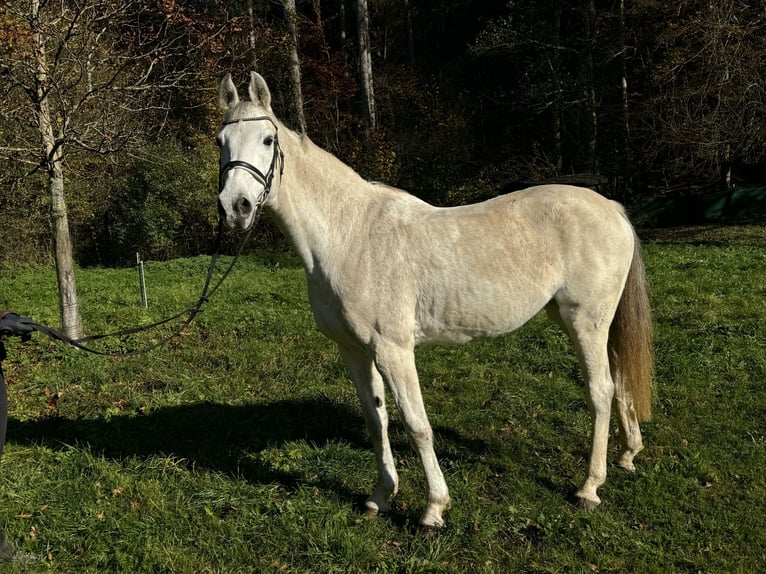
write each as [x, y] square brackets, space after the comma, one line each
[259, 91]
[227, 94]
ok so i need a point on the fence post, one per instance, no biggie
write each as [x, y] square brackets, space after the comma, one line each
[142, 281]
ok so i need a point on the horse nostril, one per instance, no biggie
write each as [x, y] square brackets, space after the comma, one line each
[244, 207]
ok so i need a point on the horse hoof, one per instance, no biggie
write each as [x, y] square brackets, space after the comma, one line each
[626, 460]
[432, 520]
[430, 531]
[372, 508]
[588, 504]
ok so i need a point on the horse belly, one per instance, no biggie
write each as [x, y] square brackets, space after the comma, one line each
[475, 311]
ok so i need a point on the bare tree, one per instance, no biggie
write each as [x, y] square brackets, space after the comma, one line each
[295, 63]
[556, 105]
[251, 34]
[84, 76]
[709, 89]
[410, 34]
[627, 157]
[52, 148]
[589, 86]
[365, 62]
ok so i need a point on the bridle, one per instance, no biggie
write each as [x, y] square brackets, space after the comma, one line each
[265, 179]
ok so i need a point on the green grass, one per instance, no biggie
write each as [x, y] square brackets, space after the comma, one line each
[241, 447]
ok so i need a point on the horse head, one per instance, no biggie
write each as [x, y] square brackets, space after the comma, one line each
[250, 152]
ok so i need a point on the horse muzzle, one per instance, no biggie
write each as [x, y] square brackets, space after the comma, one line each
[237, 206]
[239, 212]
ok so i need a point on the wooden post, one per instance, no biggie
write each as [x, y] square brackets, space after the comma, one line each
[142, 281]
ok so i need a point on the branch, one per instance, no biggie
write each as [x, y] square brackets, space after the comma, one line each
[17, 154]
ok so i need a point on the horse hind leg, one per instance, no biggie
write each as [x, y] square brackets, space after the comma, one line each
[630, 431]
[371, 392]
[590, 336]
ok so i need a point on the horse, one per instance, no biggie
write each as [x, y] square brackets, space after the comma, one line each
[387, 272]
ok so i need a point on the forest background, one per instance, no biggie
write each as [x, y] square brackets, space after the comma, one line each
[471, 98]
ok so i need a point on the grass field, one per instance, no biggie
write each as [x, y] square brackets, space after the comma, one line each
[241, 447]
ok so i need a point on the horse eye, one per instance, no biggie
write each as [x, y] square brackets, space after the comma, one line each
[268, 141]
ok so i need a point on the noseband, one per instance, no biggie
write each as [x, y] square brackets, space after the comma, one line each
[264, 179]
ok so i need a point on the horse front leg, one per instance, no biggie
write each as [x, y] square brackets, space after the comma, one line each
[371, 392]
[397, 365]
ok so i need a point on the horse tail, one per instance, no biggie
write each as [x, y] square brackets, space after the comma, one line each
[631, 356]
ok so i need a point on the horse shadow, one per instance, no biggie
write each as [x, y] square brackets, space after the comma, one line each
[229, 439]
[220, 437]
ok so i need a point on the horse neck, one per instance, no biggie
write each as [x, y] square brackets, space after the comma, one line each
[319, 200]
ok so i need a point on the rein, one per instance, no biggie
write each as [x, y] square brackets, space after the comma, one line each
[207, 291]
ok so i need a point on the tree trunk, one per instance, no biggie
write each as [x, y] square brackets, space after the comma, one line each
[558, 154]
[342, 17]
[295, 64]
[627, 159]
[251, 35]
[365, 62]
[69, 305]
[410, 35]
[591, 157]
[69, 309]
